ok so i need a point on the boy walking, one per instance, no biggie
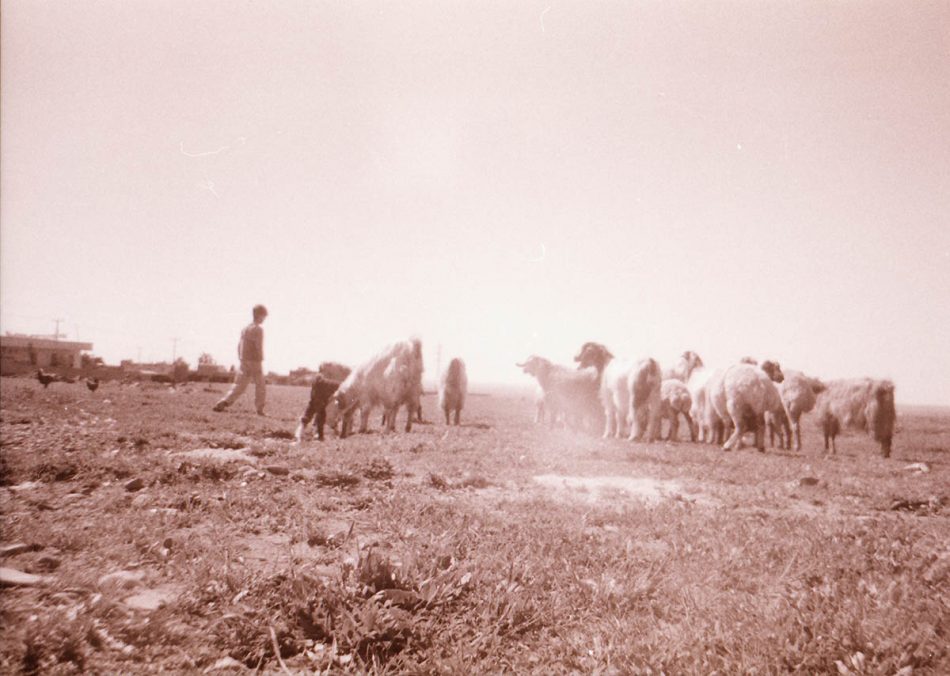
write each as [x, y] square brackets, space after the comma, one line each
[251, 354]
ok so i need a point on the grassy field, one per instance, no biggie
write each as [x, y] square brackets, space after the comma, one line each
[168, 537]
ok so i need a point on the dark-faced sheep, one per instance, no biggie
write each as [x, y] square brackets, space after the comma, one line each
[861, 403]
[629, 392]
[567, 393]
[453, 386]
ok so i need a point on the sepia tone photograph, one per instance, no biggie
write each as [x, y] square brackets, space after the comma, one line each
[475, 337]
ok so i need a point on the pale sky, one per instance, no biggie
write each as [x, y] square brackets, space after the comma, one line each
[736, 178]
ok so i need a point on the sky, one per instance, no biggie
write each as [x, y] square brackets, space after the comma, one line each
[499, 179]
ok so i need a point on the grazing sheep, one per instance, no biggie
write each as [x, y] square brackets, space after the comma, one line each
[675, 400]
[629, 391]
[322, 405]
[688, 362]
[453, 387]
[391, 379]
[799, 394]
[744, 396]
[568, 392]
[861, 403]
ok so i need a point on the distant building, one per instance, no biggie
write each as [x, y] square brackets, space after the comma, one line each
[20, 353]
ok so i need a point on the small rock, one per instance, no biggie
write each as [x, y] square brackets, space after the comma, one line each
[919, 467]
[279, 470]
[121, 579]
[136, 484]
[14, 549]
[11, 577]
[150, 599]
[167, 543]
[141, 500]
[808, 481]
[72, 497]
[225, 663]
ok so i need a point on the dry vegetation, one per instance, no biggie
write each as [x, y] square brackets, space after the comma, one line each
[470, 550]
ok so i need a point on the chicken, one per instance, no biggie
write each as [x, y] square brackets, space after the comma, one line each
[45, 378]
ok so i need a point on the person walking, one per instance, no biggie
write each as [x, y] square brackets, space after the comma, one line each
[251, 354]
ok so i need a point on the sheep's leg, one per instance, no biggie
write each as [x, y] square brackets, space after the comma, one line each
[674, 428]
[611, 420]
[735, 439]
[760, 433]
[458, 415]
[364, 419]
[798, 435]
[653, 421]
[410, 413]
[691, 426]
[446, 412]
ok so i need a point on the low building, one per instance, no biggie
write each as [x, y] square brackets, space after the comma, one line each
[20, 353]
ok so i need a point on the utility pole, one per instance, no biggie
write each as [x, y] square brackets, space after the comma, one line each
[174, 349]
[56, 335]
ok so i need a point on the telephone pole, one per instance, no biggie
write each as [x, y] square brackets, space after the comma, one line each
[174, 349]
[56, 334]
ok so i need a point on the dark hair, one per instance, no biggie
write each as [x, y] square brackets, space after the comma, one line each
[259, 311]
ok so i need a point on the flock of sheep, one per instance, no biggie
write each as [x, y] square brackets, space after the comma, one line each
[631, 398]
[626, 398]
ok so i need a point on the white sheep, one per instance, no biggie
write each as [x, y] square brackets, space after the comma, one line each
[674, 401]
[861, 403]
[688, 362]
[629, 392]
[744, 396]
[710, 428]
[390, 379]
[453, 386]
[567, 392]
[799, 394]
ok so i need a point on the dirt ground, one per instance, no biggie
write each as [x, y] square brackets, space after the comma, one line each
[143, 532]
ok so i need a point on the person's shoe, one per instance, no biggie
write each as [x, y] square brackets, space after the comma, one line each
[220, 406]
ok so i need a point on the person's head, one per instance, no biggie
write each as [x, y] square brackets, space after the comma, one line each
[260, 313]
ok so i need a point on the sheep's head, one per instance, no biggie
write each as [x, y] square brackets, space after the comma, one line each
[535, 366]
[689, 362]
[884, 391]
[817, 386]
[692, 360]
[341, 399]
[773, 370]
[593, 354]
